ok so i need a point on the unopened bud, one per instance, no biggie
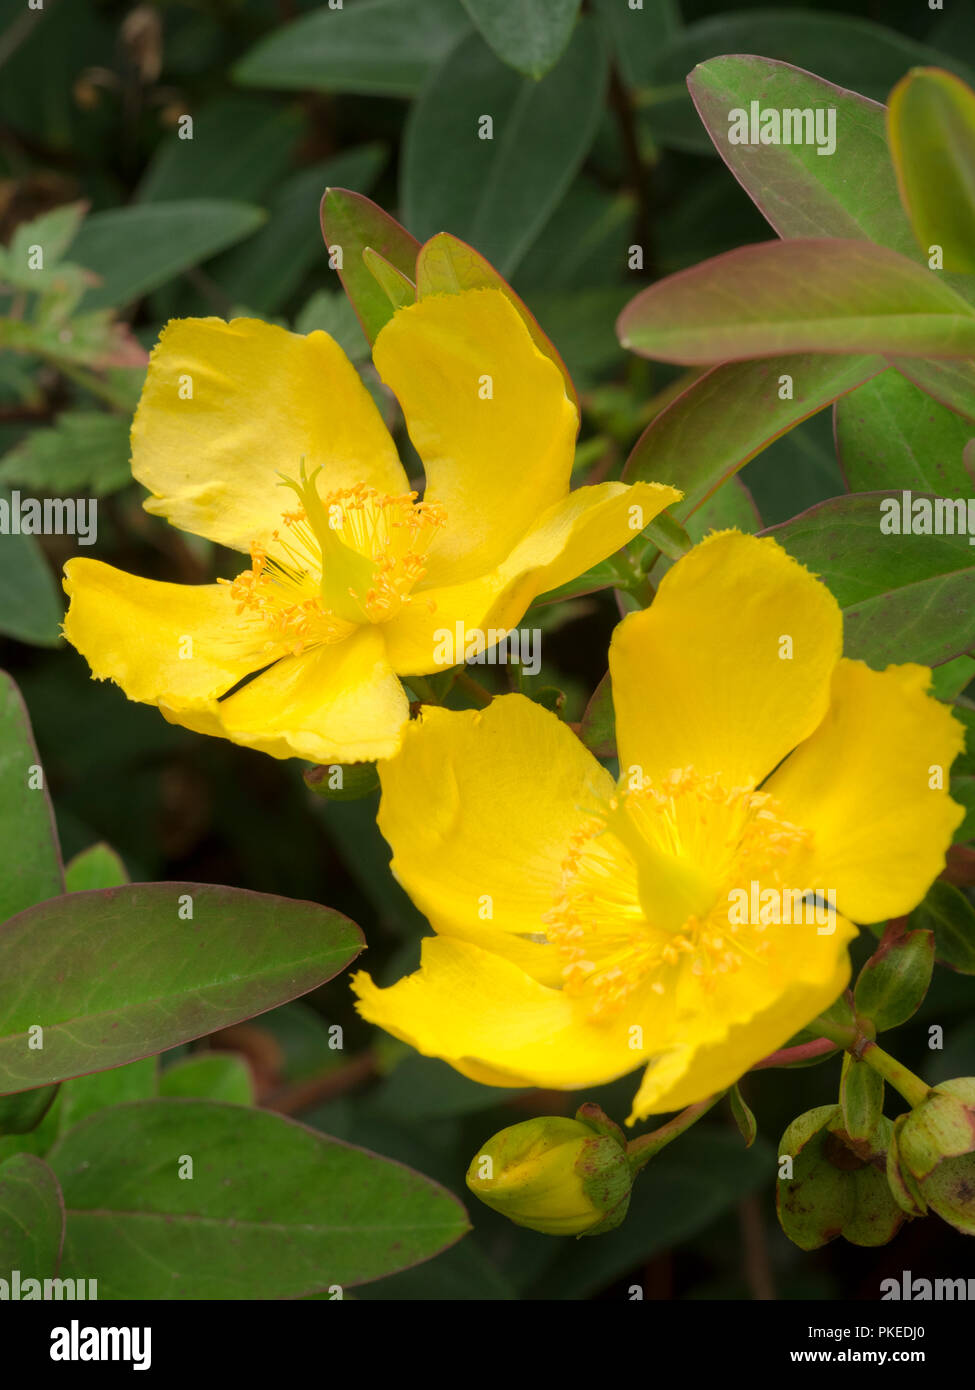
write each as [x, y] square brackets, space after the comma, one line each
[555, 1175]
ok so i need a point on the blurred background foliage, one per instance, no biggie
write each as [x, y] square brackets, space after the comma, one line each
[601, 149]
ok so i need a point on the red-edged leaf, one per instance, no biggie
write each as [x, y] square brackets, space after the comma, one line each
[820, 295]
[353, 222]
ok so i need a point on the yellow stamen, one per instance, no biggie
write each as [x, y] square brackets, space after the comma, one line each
[621, 919]
[338, 561]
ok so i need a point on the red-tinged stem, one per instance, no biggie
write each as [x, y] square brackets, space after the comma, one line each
[640, 1151]
[473, 688]
[804, 1052]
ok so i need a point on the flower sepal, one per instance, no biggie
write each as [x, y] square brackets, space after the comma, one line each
[835, 1185]
[935, 1153]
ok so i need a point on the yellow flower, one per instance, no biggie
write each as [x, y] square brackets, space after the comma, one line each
[268, 442]
[585, 927]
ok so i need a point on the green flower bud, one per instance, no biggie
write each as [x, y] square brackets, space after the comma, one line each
[895, 979]
[936, 1152]
[838, 1184]
[559, 1176]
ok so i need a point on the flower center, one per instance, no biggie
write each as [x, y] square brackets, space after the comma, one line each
[337, 561]
[646, 887]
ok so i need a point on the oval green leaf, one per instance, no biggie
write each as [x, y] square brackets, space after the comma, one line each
[904, 597]
[891, 434]
[815, 295]
[124, 973]
[732, 413]
[527, 36]
[273, 1209]
[350, 224]
[496, 187]
[32, 856]
[931, 124]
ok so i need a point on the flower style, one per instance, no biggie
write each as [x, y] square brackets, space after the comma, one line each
[584, 925]
[268, 442]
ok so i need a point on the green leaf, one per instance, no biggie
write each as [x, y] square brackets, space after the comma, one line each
[241, 146]
[53, 231]
[744, 1118]
[948, 681]
[32, 857]
[31, 1218]
[893, 983]
[128, 973]
[861, 1098]
[527, 36]
[273, 1210]
[904, 597]
[963, 775]
[931, 124]
[22, 1113]
[211, 1075]
[350, 223]
[891, 434]
[398, 288]
[732, 413]
[86, 1095]
[30, 605]
[375, 47]
[948, 913]
[98, 866]
[852, 52]
[598, 726]
[264, 271]
[84, 451]
[816, 295]
[135, 249]
[950, 382]
[851, 193]
[498, 193]
[342, 782]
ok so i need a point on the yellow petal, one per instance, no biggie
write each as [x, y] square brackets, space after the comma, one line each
[490, 1020]
[489, 417]
[730, 666]
[172, 642]
[479, 808]
[339, 703]
[228, 407]
[578, 532]
[726, 1023]
[862, 783]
